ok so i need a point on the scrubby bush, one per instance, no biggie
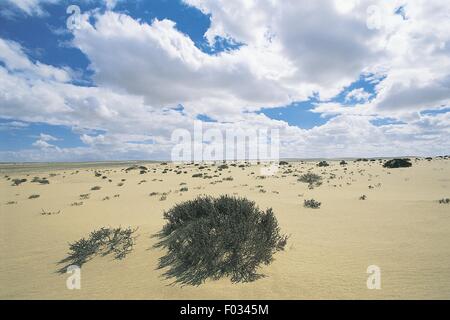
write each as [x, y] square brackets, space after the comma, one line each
[343, 163]
[444, 201]
[218, 237]
[313, 204]
[397, 163]
[34, 196]
[17, 182]
[197, 175]
[312, 179]
[283, 163]
[105, 241]
[96, 188]
[40, 181]
[323, 164]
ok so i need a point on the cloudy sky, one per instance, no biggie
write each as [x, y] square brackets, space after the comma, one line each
[337, 78]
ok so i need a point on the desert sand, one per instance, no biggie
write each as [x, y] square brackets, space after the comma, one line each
[400, 227]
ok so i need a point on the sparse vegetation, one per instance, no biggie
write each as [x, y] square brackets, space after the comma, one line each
[105, 241]
[397, 163]
[239, 237]
[197, 175]
[311, 203]
[363, 197]
[444, 201]
[17, 182]
[323, 164]
[312, 179]
[34, 196]
[96, 188]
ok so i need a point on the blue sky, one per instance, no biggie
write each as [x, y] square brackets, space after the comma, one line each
[167, 63]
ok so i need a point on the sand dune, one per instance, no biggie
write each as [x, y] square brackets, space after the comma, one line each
[400, 227]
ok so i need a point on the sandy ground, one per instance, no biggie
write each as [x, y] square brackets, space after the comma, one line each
[400, 227]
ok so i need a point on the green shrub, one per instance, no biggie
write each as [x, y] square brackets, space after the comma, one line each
[218, 237]
[323, 164]
[17, 182]
[312, 179]
[313, 204]
[397, 163]
[105, 241]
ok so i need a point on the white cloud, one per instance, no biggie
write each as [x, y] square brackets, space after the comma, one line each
[359, 95]
[291, 51]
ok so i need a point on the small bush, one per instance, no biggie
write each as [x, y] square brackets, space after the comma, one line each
[312, 179]
[34, 196]
[323, 164]
[313, 204]
[363, 197]
[40, 181]
[96, 188]
[444, 201]
[228, 179]
[343, 163]
[397, 163]
[84, 196]
[105, 241]
[197, 175]
[184, 189]
[218, 237]
[17, 182]
[283, 163]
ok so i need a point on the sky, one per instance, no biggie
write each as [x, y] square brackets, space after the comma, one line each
[337, 78]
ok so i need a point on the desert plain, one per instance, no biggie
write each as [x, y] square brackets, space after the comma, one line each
[369, 215]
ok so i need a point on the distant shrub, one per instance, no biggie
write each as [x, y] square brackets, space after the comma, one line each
[363, 197]
[239, 237]
[444, 201]
[313, 204]
[283, 163]
[105, 241]
[34, 196]
[343, 163]
[84, 196]
[197, 175]
[40, 181]
[323, 164]
[312, 179]
[222, 166]
[96, 188]
[184, 189]
[17, 182]
[228, 179]
[397, 163]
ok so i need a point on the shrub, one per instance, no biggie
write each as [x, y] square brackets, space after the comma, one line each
[343, 163]
[197, 175]
[17, 182]
[397, 163]
[363, 197]
[116, 241]
[444, 201]
[184, 189]
[313, 204]
[323, 164]
[312, 179]
[96, 188]
[228, 179]
[34, 196]
[218, 237]
[283, 163]
[84, 196]
[40, 181]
